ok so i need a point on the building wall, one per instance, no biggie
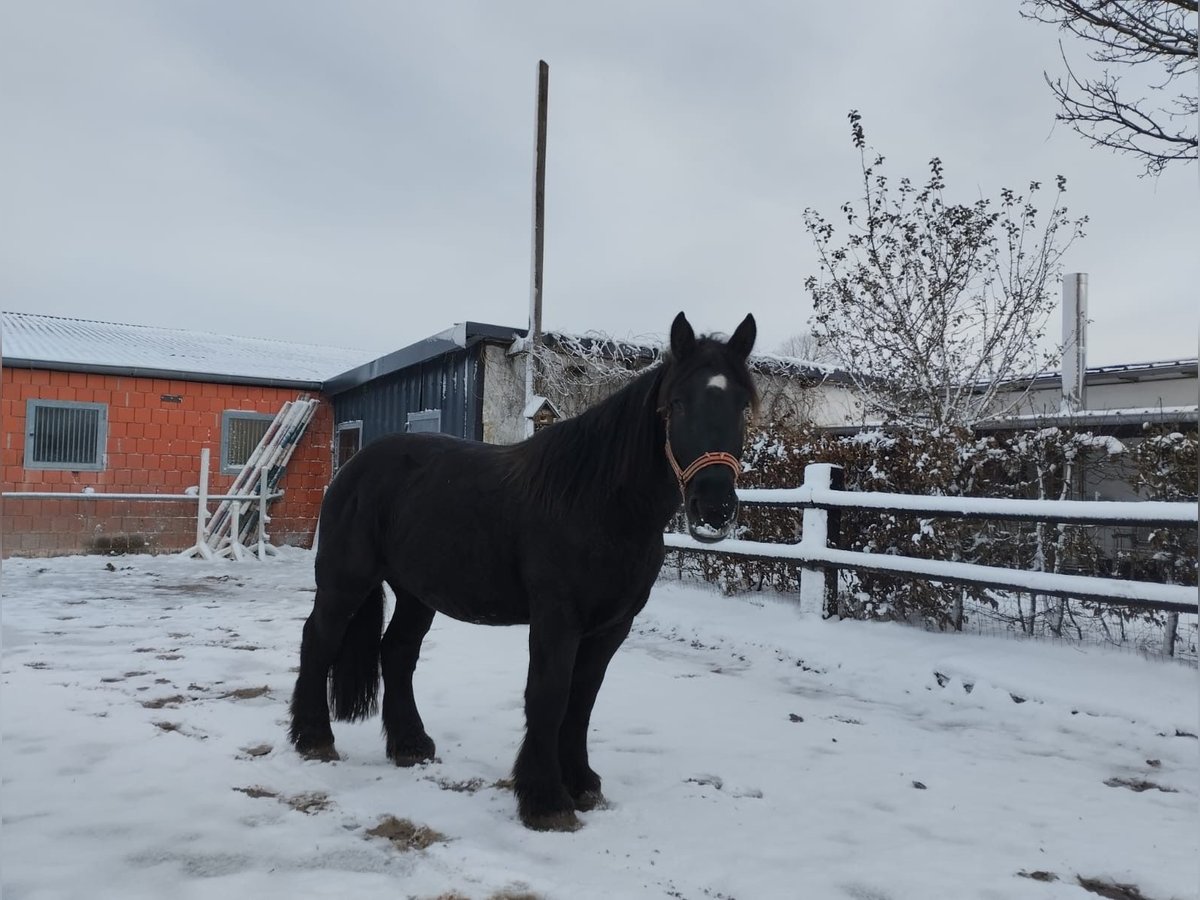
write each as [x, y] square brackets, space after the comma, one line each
[445, 383]
[783, 398]
[1145, 393]
[153, 446]
[503, 395]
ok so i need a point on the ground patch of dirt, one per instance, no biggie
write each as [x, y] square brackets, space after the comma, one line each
[1038, 875]
[246, 693]
[1111, 889]
[255, 791]
[161, 702]
[1139, 784]
[468, 786]
[312, 802]
[406, 835]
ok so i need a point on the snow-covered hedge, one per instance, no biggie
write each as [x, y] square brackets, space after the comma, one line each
[1050, 463]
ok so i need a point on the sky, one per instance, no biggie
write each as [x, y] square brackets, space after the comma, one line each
[748, 748]
[360, 174]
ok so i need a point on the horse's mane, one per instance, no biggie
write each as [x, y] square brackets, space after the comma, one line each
[609, 449]
[587, 458]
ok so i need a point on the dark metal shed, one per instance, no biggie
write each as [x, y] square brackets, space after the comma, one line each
[432, 385]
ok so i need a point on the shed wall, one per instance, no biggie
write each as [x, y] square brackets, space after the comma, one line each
[447, 383]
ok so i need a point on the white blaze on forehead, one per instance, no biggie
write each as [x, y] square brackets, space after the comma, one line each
[718, 382]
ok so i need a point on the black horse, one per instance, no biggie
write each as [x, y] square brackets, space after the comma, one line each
[563, 531]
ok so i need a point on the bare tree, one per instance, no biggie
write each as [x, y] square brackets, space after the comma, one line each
[804, 345]
[1158, 35]
[935, 307]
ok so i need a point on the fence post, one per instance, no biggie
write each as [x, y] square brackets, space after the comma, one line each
[818, 586]
[235, 531]
[1169, 632]
[262, 515]
[202, 507]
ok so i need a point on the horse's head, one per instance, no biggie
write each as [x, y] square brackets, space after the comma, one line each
[705, 397]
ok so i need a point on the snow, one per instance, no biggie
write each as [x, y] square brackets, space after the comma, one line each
[750, 749]
[49, 340]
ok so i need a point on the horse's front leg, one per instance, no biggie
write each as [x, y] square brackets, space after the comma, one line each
[591, 662]
[542, 798]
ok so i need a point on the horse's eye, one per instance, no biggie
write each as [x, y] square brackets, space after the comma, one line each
[676, 406]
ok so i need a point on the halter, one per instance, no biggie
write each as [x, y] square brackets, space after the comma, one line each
[703, 461]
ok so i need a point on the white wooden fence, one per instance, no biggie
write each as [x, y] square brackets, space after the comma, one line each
[821, 499]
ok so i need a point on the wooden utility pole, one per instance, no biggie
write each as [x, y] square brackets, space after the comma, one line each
[533, 383]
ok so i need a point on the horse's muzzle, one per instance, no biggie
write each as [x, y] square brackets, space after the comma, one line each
[710, 523]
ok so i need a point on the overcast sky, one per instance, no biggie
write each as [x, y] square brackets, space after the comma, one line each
[359, 174]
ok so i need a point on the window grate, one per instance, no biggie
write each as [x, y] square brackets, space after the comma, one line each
[63, 435]
[240, 434]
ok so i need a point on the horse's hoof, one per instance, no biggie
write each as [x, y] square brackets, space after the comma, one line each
[564, 820]
[319, 752]
[409, 753]
[589, 800]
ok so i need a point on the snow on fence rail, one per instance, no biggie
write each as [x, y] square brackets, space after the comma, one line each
[820, 496]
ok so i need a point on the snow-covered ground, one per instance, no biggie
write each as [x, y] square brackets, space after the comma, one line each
[749, 750]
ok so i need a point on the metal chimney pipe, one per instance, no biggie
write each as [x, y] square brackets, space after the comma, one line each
[1074, 340]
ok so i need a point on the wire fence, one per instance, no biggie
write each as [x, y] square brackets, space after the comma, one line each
[52, 526]
[1016, 616]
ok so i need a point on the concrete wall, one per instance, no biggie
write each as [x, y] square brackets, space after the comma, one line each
[503, 395]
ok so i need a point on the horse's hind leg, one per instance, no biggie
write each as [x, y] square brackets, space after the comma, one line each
[341, 616]
[407, 742]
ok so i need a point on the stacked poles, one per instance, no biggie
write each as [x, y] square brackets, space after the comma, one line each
[263, 469]
[270, 476]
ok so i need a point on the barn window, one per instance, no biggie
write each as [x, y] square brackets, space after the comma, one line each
[64, 435]
[429, 420]
[240, 434]
[347, 440]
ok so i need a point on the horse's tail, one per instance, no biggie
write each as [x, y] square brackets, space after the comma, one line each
[354, 676]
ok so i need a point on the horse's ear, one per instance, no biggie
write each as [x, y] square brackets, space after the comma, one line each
[742, 341]
[683, 338]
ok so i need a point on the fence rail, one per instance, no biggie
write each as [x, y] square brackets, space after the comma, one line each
[821, 499]
[1108, 512]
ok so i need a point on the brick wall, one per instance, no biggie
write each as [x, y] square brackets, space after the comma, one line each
[153, 446]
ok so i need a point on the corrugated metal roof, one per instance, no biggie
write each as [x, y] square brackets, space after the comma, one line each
[460, 336]
[52, 342]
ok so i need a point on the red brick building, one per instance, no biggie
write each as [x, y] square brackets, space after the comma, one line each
[107, 408]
